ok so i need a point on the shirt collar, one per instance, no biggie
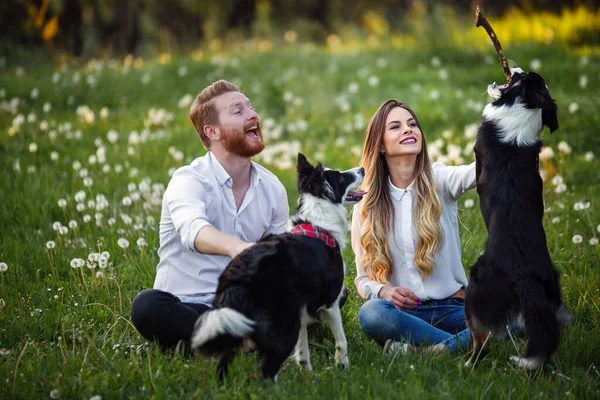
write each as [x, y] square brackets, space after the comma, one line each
[398, 193]
[222, 175]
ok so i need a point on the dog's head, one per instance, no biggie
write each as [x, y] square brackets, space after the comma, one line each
[529, 89]
[328, 184]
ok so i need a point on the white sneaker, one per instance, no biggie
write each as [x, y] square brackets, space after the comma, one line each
[392, 347]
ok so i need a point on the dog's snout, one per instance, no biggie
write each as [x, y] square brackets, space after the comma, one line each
[361, 171]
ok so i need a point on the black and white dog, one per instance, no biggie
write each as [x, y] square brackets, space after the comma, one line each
[270, 292]
[514, 282]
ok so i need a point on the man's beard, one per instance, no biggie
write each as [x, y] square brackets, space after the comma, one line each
[236, 142]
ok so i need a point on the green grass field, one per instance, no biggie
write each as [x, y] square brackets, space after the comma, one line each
[87, 150]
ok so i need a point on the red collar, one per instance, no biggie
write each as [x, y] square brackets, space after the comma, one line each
[315, 232]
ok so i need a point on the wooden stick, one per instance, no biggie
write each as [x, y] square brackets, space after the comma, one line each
[481, 21]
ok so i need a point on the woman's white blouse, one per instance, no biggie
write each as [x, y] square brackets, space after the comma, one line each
[449, 275]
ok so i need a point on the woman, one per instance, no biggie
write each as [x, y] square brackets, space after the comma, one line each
[405, 238]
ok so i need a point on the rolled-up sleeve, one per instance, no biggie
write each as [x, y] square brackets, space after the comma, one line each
[455, 180]
[281, 215]
[188, 197]
[367, 288]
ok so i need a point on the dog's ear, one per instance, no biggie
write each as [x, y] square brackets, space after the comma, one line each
[303, 164]
[549, 112]
[536, 93]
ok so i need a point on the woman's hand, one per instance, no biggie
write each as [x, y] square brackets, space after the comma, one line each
[401, 298]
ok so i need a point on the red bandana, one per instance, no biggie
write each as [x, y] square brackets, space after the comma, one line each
[315, 232]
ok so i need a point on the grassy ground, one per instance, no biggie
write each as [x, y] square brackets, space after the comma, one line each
[78, 179]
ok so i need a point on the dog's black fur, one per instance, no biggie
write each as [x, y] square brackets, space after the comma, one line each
[269, 292]
[514, 282]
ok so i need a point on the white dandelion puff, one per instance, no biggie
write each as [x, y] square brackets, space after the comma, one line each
[577, 239]
[3, 267]
[50, 244]
[123, 243]
[594, 241]
[469, 203]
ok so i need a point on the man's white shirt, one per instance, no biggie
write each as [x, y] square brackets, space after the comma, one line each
[201, 194]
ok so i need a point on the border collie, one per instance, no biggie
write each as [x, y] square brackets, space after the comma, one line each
[270, 292]
[514, 282]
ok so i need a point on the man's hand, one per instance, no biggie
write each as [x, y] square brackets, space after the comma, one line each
[237, 248]
[401, 298]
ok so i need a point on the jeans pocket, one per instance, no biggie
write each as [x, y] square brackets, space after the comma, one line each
[456, 302]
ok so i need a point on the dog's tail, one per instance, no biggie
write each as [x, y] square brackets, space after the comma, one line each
[542, 325]
[219, 330]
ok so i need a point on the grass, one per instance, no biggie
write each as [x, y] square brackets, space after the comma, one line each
[67, 330]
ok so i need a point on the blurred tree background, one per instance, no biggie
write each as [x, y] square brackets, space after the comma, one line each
[147, 27]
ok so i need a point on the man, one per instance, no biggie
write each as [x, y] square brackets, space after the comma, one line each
[212, 210]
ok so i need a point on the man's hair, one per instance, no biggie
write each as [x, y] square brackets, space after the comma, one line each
[203, 111]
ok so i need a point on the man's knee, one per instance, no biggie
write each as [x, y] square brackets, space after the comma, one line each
[145, 304]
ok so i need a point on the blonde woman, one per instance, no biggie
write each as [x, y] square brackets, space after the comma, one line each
[405, 238]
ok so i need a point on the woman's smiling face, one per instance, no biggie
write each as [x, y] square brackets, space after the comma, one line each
[402, 135]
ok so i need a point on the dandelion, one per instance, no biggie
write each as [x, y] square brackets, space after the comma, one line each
[555, 220]
[35, 92]
[123, 243]
[112, 136]
[443, 74]
[185, 101]
[583, 81]
[54, 394]
[373, 81]
[182, 71]
[104, 112]
[557, 180]
[77, 263]
[564, 147]
[54, 156]
[99, 274]
[535, 64]
[87, 218]
[560, 188]
[353, 87]
[577, 239]
[50, 244]
[102, 262]
[62, 203]
[73, 224]
[3, 352]
[469, 203]
[33, 147]
[573, 107]
[594, 241]
[76, 165]
[105, 254]
[80, 196]
[63, 230]
[580, 205]
[3, 267]
[434, 94]
[87, 181]
[435, 62]
[141, 242]
[589, 156]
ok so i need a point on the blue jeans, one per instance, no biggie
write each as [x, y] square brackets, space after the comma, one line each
[433, 322]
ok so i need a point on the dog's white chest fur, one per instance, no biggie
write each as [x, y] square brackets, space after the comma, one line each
[518, 125]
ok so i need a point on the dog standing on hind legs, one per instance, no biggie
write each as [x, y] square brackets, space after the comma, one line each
[270, 292]
[514, 282]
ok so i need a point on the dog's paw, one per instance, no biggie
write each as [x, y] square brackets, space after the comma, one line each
[341, 360]
[527, 363]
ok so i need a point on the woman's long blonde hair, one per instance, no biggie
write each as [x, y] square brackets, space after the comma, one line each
[377, 211]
